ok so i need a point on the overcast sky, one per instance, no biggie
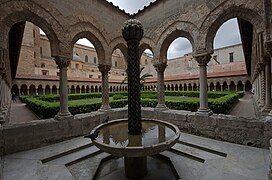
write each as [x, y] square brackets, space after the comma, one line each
[228, 33]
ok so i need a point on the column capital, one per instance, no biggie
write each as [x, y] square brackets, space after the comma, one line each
[104, 68]
[268, 47]
[133, 30]
[62, 61]
[160, 66]
[203, 58]
[3, 61]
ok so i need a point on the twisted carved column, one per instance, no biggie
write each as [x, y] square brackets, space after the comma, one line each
[203, 60]
[104, 69]
[268, 83]
[63, 63]
[160, 68]
[133, 33]
[263, 86]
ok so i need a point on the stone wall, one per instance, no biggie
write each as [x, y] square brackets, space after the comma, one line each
[222, 127]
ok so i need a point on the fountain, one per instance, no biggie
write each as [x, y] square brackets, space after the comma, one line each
[134, 138]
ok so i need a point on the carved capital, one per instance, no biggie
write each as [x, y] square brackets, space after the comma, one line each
[62, 62]
[104, 68]
[202, 59]
[3, 60]
[133, 30]
[160, 67]
[268, 47]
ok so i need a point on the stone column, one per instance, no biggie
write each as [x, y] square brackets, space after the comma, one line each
[63, 63]
[203, 60]
[268, 49]
[160, 68]
[268, 83]
[104, 69]
[263, 88]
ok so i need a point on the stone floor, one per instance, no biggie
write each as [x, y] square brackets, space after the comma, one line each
[192, 158]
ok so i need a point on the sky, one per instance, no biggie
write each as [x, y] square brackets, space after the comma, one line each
[181, 46]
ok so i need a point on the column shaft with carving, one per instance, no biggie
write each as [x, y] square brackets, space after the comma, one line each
[268, 83]
[263, 87]
[203, 60]
[160, 68]
[63, 63]
[133, 33]
[104, 69]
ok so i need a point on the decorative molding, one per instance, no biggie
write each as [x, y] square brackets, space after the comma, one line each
[203, 59]
[104, 68]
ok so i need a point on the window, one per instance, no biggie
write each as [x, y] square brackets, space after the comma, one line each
[99, 76]
[92, 70]
[90, 76]
[94, 60]
[57, 73]
[115, 63]
[86, 59]
[146, 61]
[77, 66]
[82, 67]
[34, 55]
[42, 65]
[44, 72]
[231, 57]
[41, 51]
[34, 33]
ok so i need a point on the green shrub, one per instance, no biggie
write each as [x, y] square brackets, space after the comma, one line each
[118, 96]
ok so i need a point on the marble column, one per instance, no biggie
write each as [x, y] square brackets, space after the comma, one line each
[263, 88]
[160, 68]
[104, 69]
[203, 60]
[268, 49]
[63, 63]
[268, 83]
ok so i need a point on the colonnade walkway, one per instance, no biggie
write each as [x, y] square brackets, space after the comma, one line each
[192, 158]
[245, 107]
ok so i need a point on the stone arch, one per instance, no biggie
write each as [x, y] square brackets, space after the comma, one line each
[73, 90]
[48, 21]
[87, 89]
[24, 90]
[225, 86]
[118, 44]
[174, 31]
[54, 89]
[146, 44]
[232, 86]
[226, 11]
[240, 86]
[40, 90]
[77, 89]
[94, 36]
[190, 88]
[15, 89]
[47, 89]
[32, 90]
[185, 87]
[218, 86]
[212, 86]
[83, 90]
[248, 86]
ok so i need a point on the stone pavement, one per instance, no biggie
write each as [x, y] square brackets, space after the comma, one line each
[192, 158]
[245, 107]
[19, 113]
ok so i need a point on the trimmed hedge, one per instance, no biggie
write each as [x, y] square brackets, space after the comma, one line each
[48, 107]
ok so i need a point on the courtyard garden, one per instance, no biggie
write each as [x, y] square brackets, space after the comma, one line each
[47, 106]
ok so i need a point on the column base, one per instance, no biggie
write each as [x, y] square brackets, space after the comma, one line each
[161, 107]
[104, 109]
[63, 116]
[204, 112]
[135, 167]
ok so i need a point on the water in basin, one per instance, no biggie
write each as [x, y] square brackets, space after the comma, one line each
[116, 135]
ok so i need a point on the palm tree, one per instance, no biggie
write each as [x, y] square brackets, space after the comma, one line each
[142, 77]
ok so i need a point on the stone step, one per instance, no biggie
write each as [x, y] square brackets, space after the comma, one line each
[74, 156]
[198, 151]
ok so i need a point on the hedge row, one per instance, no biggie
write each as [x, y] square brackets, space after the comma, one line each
[47, 109]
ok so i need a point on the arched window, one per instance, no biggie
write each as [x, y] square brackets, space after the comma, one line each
[42, 65]
[115, 63]
[145, 61]
[94, 60]
[86, 59]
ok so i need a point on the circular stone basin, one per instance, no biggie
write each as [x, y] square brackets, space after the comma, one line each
[157, 136]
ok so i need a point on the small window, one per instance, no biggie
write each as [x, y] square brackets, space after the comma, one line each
[99, 76]
[77, 66]
[41, 53]
[231, 57]
[34, 33]
[82, 66]
[86, 59]
[115, 63]
[57, 73]
[92, 70]
[146, 61]
[44, 72]
[90, 76]
[42, 65]
[34, 55]
[94, 60]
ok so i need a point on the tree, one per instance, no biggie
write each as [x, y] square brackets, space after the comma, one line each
[143, 77]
